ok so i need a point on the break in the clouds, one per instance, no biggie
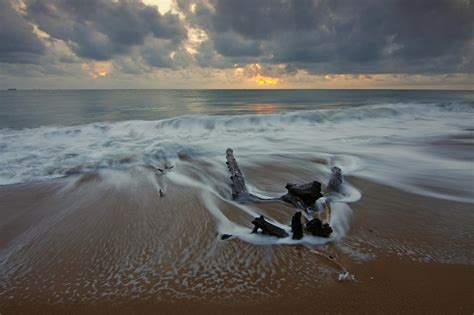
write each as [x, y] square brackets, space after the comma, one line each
[227, 42]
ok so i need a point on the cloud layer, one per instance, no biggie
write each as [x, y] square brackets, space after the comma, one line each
[283, 38]
[335, 36]
[102, 29]
[18, 42]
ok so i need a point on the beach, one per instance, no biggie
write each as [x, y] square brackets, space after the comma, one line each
[402, 262]
[84, 227]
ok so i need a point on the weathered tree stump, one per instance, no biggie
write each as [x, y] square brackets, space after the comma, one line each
[304, 195]
[239, 191]
[268, 228]
[297, 226]
[335, 181]
[317, 228]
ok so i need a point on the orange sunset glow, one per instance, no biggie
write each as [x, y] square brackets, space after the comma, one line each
[97, 69]
[255, 76]
[267, 80]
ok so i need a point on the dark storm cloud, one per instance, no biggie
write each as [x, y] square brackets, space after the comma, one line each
[102, 29]
[158, 55]
[342, 36]
[18, 43]
[233, 45]
[319, 36]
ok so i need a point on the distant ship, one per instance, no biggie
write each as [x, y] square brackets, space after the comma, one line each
[11, 89]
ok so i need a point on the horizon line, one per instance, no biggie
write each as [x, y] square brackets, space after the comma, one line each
[239, 89]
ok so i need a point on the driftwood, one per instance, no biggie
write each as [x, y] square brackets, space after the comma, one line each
[239, 191]
[301, 196]
[335, 181]
[317, 228]
[297, 226]
[268, 228]
[304, 195]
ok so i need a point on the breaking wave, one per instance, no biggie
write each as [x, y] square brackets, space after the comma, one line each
[388, 142]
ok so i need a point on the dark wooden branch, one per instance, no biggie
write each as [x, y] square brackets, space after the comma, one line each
[239, 191]
[267, 228]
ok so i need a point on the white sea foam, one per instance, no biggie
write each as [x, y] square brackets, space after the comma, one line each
[387, 143]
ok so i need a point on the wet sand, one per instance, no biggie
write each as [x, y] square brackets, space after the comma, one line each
[386, 286]
[93, 245]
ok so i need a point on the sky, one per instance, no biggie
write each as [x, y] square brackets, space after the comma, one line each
[237, 44]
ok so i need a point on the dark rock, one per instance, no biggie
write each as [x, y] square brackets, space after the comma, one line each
[317, 228]
[297, 226]
[267, 228]
[304, 195]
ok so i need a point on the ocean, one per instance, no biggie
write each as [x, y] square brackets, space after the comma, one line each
[35, 108]
[83, 219]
